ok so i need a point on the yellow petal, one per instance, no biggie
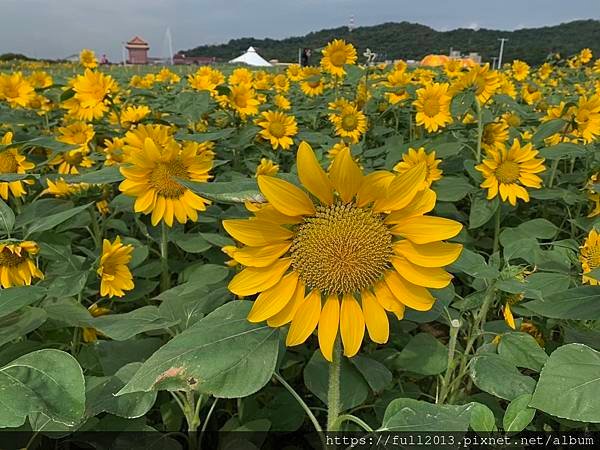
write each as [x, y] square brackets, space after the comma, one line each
[312, 176]
[422, 203]
[375, 318]
[426, 229]
[305, 320]
[434, 254]
[345, 175]
[329, 323]
[256, 233]
[402, 189]
[273, 300]
[270, 214]
[431, 277]
[415, 297]
[257, 279]
[287, 313]
[387, 300]
[508, 316]
[285, 197]
[261, 256]
[373, 187]
[352, 325]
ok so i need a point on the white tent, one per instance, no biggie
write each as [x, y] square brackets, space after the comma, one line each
[251, 58]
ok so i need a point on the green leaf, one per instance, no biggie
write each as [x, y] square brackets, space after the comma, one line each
[121, 327]
[376, 374]
[423, 354]
[563, 149]
[68, 285]
[518, 414]
[100, 395]
[192, 243]
[223, 355]
[452, 189]
[15, 298]
[227, 191]
[522, 350]
[7, 218]
[49, 222]
[580, 303]
[474, 264]
[462, 102]
[205, 137]
[569, 384]
[19, 324]
[482, 418]
[353, 387]
[47, 381]
[498, 376]
[538, 228]
[406, 414]
[482, 210]
[106, 175]
[548, 129]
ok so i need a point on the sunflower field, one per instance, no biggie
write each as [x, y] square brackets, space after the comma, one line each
[346, 247]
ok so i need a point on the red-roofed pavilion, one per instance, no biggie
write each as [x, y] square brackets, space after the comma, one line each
[138, 51]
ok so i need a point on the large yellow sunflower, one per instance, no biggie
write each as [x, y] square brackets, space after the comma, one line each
[278, 128]
[589, 255]
[156, 162]
[335, 55]
[17, 266]
[510, 171]
[414, 157]
[520, 70]
[481, 78]
[350, 123]
[433, 107]
[87, 58]
[495, 135]
[115, 277]
[341, 253]
[312, 81]
[11, 161]
[242, 98]
[92, 95]
[16, 90]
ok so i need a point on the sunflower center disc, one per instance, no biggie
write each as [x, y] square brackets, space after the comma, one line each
[507, 172]
[349, 122]
[338, 58]
[593, 257]
[431, 107]
[277, 129]
[163, 178]
[10, 259]
[342, 249]
[8, 163]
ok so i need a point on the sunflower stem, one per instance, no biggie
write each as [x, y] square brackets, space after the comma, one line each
[455, 325]
[497, 230]
[479, 128]
[333, 393]
[553, 172]
[165, 279]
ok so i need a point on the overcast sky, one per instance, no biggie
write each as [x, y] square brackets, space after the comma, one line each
[59, 28]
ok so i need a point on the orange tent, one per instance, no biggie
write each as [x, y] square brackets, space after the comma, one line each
[434, 60]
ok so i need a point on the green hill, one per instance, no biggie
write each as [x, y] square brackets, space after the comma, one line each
[413, 41]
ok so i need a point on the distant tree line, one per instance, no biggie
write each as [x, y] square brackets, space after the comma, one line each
[413, 41]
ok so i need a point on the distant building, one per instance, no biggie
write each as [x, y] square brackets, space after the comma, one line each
[181, 58]
[138, 51]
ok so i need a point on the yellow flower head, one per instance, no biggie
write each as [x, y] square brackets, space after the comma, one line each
[87, 58]
[335, 55]
[242, 98]
[312, 81]
[154, 169]
[495, 135]
[281, 83]
[133, 114]
[585, 56]
[338, 253]
[206, 79]
[589, 255]
[594, 196]
[278, 128]
[433, 107]
[294, 72]
[587, 118]
[40, 79]
[115, 276]
[92, 91]
[17, 264]
[282, 103]
[413, 158]
[484, 81]
[510, 171]
[114, 151]
[266, 167]
[520, 70]
[11, 161]
[241, 75]
[16, 90]
[350, 123]
[60, 188]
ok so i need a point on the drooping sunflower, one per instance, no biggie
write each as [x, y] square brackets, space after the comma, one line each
[495, 135]
[17, 266]
[87, 58]
[350, 123]
[278, 128]
[510, 171]
[589, 255]
[156, 161]
[282, 103]
[414, 157]
[335, 55]
[433, 107]
[11, 161]
[341, 253]
[266, 167]
[60, 188]
[91, 334]
[115, 276]
[16, 90]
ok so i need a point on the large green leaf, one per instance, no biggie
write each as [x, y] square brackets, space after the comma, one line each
[406, 414]
[15, 298]
[48, 222]
[518, 414]
[223, 355]
[124, 326]
[569, 384]
[423, 354]
[227, 191]
[523, 350]
[500, 377]
[482, 210]
[20, 323]
[47, 381]
[7, 218]
[580, 303]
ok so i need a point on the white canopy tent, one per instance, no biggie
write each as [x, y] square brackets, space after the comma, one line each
[251, 58]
